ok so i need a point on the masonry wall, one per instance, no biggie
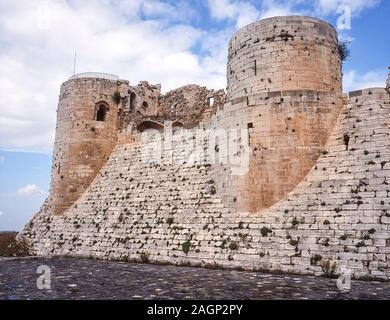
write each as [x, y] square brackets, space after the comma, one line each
[314, 195]
[146, 99]
[191, 104]
[338, 216]
[287, 132]
[284, 86]
[187, 107]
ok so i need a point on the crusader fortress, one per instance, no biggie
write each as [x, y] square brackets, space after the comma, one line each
[284, 172]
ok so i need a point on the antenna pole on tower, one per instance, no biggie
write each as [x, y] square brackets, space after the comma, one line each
[74, 63]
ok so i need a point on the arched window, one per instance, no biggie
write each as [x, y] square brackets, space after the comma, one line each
[177, 126]
[147, 125]
[132, 101]
[145, 105]
[101, 112]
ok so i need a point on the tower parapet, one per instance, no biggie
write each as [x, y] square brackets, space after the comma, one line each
[284, 53]
[95, 75]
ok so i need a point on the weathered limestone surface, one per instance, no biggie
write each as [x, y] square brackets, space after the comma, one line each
[287, 131]
[284, 85]
[264, 56]
[339, 213]
[313, 198]
[191, 104]
[82, 143]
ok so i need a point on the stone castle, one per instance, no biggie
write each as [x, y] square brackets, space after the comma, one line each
[288, 173]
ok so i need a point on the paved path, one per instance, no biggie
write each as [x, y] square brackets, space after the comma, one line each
[92, 279]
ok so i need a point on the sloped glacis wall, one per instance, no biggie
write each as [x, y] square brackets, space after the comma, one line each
[338, 216]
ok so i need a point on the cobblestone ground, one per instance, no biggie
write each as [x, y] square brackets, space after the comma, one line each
[93, 279]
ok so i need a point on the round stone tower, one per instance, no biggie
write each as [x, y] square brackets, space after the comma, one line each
[86, 133]
[285, 88]
[284, 53]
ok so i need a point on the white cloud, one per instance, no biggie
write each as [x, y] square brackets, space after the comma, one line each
[180, 10]
[246, 11]
[274, 8]
[1, 213]
[37, 44]
[30, 189]
[352, 80]
[242, 12]
[329, 7]
[346, 37]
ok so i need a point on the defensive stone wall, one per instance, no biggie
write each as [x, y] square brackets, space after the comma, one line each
[285, 174]
[339, 216]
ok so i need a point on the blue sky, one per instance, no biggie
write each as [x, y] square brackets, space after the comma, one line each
[169, 42]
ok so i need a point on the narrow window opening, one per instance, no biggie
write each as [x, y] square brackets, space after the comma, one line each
[145, 105]
[210, 101]
[346, 140]
[132, 101]
[101, 113]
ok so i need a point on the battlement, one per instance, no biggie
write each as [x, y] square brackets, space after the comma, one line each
[96, 75]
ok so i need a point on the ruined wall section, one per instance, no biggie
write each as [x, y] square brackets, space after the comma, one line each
[83, 143]
[191, 104]
[146, 99]
[141, 101]
[283, 53]
[187, 107]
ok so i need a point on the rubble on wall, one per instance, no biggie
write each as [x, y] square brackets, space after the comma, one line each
[190, 104]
